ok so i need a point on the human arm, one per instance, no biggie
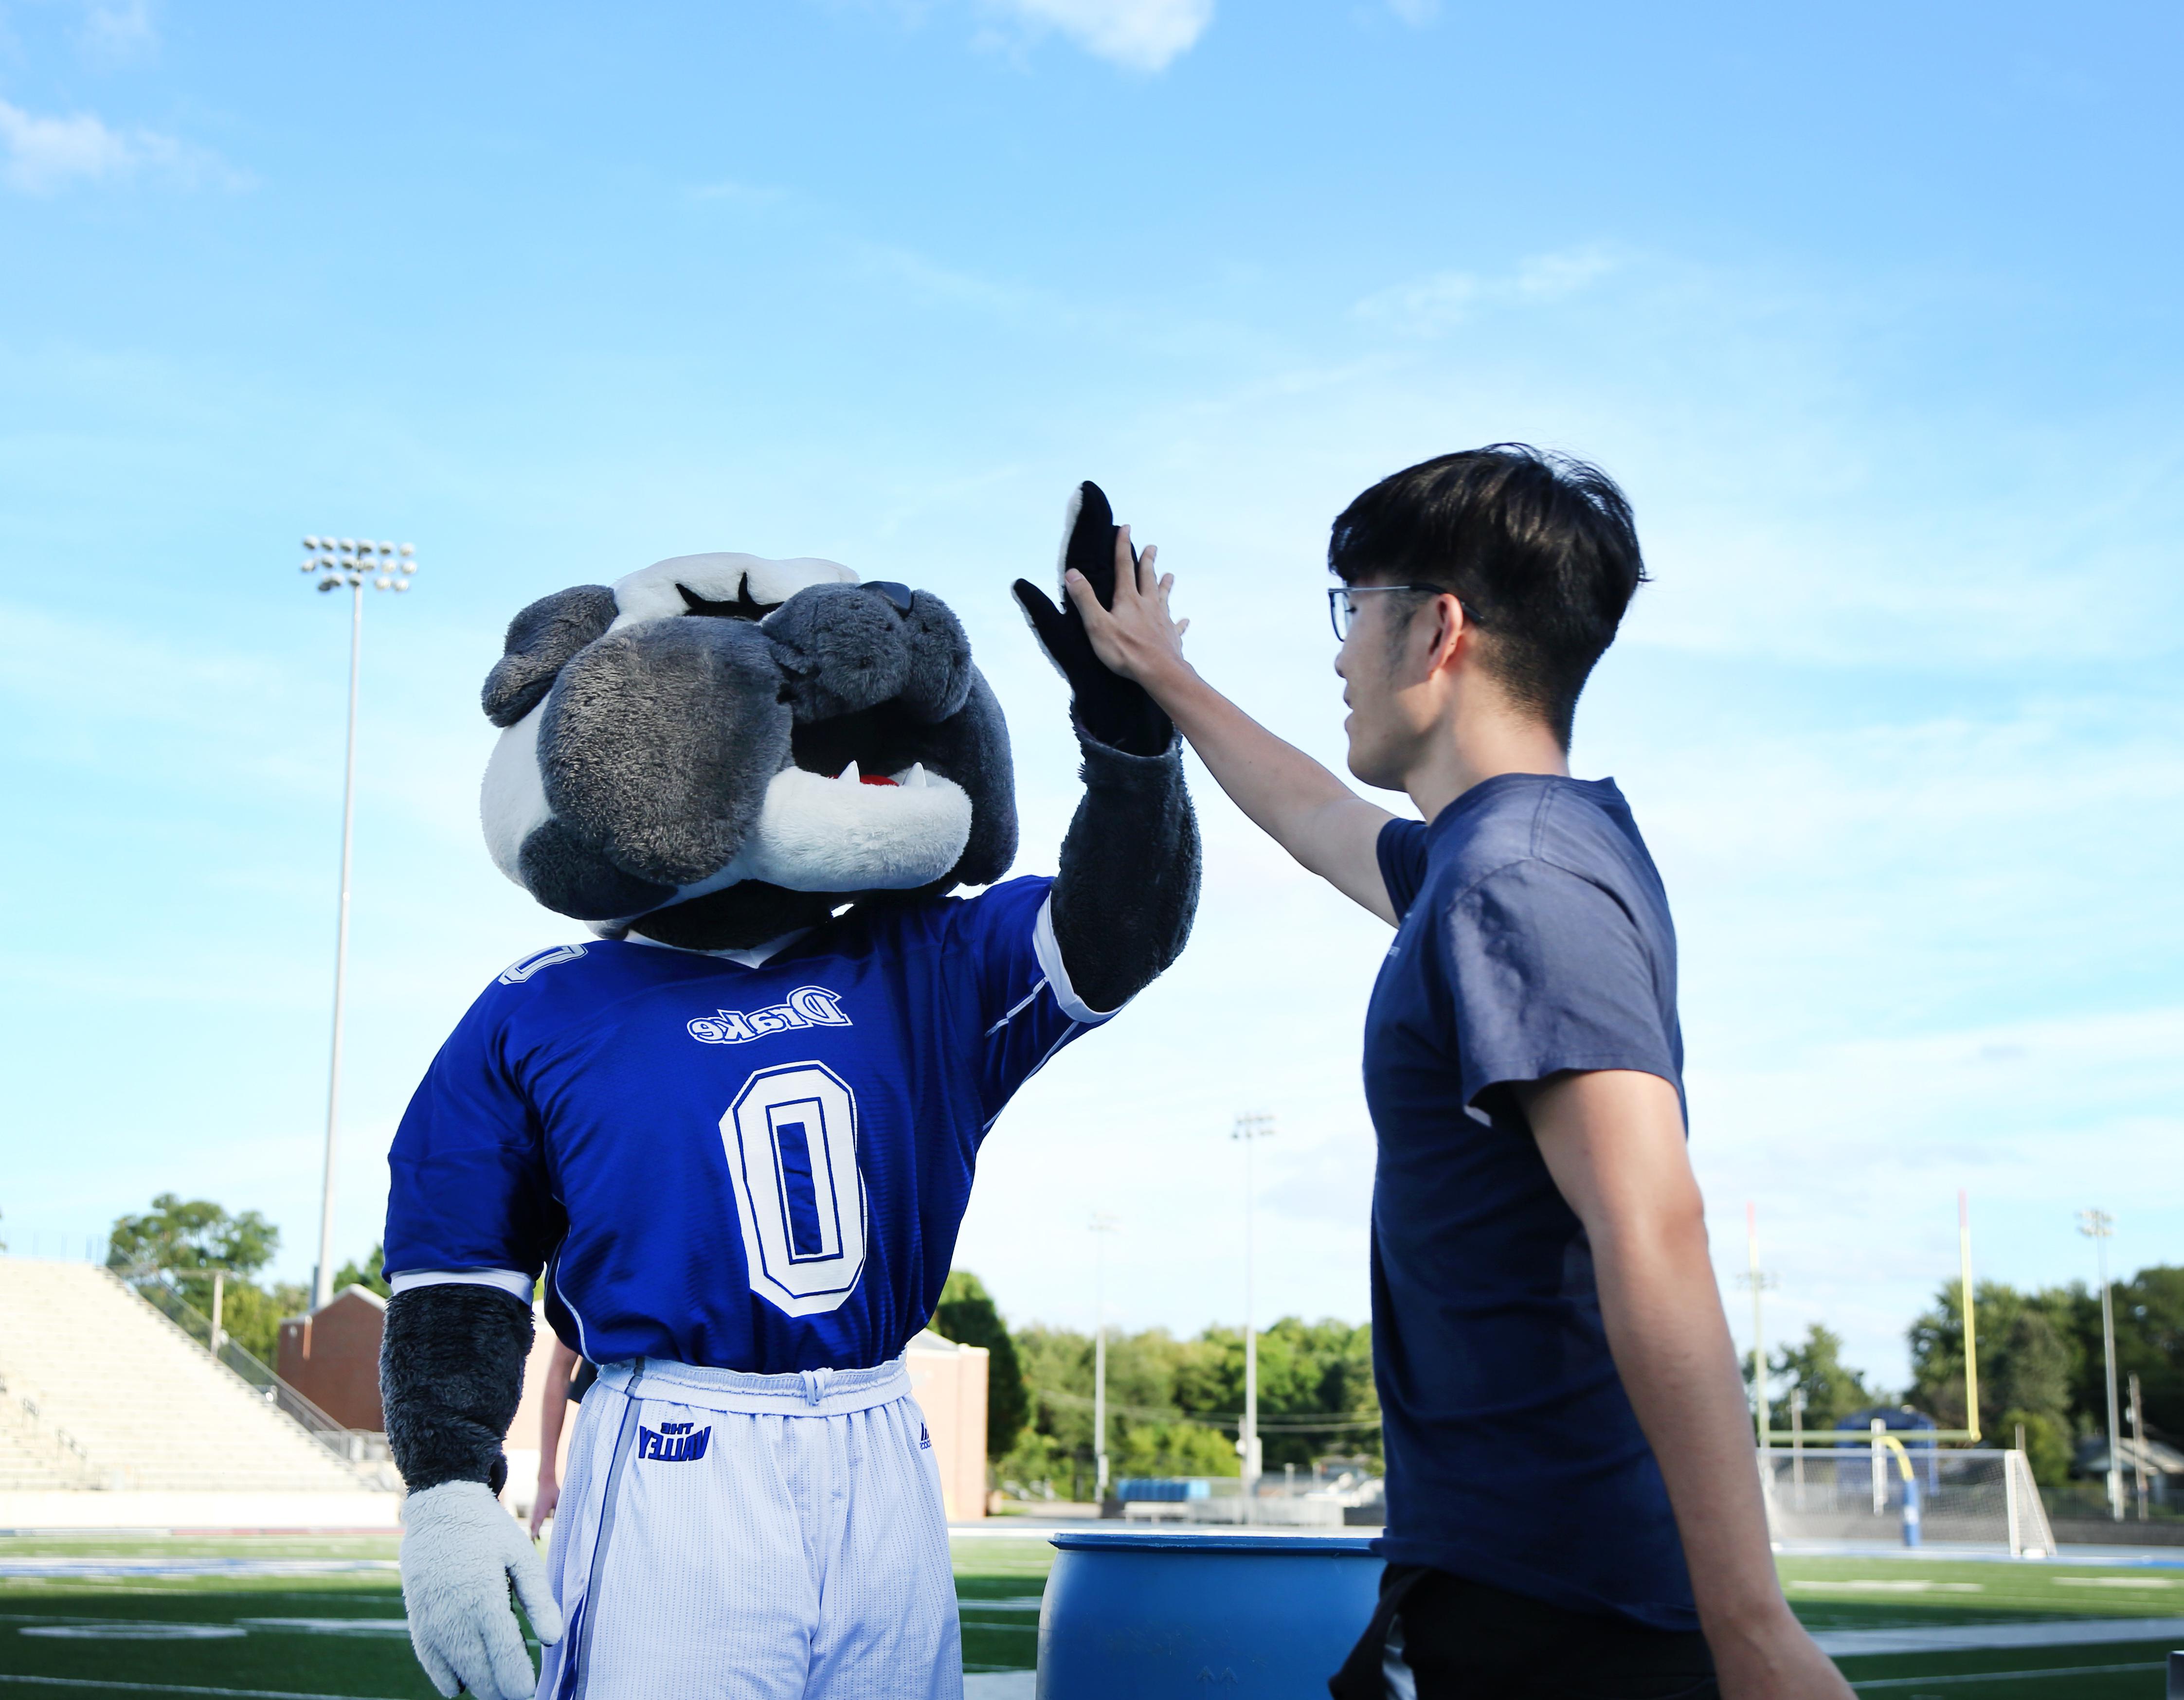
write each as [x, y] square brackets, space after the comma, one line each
[1614, 1141]
[1319, 820]
[1127, 889]
[1117, 613]
[553, 1412]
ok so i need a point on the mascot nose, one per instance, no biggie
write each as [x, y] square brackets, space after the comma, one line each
[895, 593]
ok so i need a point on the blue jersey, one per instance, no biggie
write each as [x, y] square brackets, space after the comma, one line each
[759, 1168]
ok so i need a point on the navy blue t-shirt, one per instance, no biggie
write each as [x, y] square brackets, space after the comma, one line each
[753, 1168]
[1532, 937]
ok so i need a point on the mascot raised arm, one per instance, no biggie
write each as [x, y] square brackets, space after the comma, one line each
[736, 1130]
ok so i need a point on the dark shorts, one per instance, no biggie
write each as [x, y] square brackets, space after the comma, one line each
[1464, 1641]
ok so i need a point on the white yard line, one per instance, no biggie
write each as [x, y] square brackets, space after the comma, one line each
[1997, 1676]
[1861, 1643]
[180, 1688]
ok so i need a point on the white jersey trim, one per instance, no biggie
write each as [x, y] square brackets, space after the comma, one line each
[1048, 951]
[513, 1282]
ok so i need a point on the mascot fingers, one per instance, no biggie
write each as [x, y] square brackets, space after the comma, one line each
[1113, 710]
[460, 1550]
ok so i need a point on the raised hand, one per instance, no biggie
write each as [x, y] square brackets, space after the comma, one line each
[1130, 630]
[1100, 568]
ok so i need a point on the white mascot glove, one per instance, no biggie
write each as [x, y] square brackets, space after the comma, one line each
[461, 1549]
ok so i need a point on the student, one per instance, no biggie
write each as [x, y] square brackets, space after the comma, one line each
[1572, 1508]
[568, 1378]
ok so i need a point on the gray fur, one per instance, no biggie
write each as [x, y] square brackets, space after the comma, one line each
[986, 769]
[1127, 887]
[541, 641]
[576, 879]
[844, 648]
[450, 1377]
[659, 742]
[971, 747]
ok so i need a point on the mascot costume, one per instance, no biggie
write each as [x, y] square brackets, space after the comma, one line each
[736, 1132]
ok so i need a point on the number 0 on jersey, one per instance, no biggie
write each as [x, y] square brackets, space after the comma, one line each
[791, 1137]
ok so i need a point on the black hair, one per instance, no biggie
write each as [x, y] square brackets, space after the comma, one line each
[1539, 548]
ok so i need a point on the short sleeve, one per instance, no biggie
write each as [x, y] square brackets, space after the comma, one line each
[467, 1187]
[1548, 972]
[1008, 969]
[1402, 851]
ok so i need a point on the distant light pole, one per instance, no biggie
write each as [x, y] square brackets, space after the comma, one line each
[2099, 1226]
[1102, 1227]
[2138, 1444]
[1758, 1280]
[333, 563]
[1249, 1129]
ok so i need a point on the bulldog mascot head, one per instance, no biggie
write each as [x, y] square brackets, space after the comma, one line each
[721, 749]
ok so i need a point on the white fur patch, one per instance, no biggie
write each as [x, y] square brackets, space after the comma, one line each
[1070, 510]
[512, 802]
[816, 833]
[651, 594]
[461, 1551]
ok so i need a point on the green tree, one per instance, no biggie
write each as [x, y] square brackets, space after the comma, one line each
[2149, 1317]
[1815, 1367]
[371, 1275]
[251, 1315]
[2047, 1443]
[188, 1241]
[1173, 1405]
[967, 1315]
[2034, 1373]
[1937, 1352]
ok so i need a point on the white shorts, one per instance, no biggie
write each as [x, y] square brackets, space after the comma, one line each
[725, 1536]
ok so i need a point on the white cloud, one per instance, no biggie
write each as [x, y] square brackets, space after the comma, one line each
[122, 32]
[1138, 35]
[1431, 305]
[1417, 14]
[39, 155]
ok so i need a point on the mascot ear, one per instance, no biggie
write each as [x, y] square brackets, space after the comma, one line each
[541, 640]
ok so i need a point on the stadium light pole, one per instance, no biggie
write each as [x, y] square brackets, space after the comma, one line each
[333, 563]
[1249, 1129]
[1758, 1282]
[1102, 1227]
[2099, 1226]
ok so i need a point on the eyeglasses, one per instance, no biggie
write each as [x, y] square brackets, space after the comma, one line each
[1341, 610]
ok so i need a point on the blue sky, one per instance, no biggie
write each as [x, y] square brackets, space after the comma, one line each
[1873, 313]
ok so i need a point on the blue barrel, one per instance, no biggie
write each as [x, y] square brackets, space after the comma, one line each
[1175, 1616]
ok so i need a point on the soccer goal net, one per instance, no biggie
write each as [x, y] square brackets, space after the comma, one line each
[1976, 1496]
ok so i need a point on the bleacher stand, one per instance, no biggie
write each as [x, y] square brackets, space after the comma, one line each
[102, 1392]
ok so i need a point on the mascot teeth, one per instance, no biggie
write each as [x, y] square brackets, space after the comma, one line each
[816, 833]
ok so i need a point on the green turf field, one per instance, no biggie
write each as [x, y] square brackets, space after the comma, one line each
[324, 1618]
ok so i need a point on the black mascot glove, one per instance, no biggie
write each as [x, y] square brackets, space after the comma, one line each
[1112, 709]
